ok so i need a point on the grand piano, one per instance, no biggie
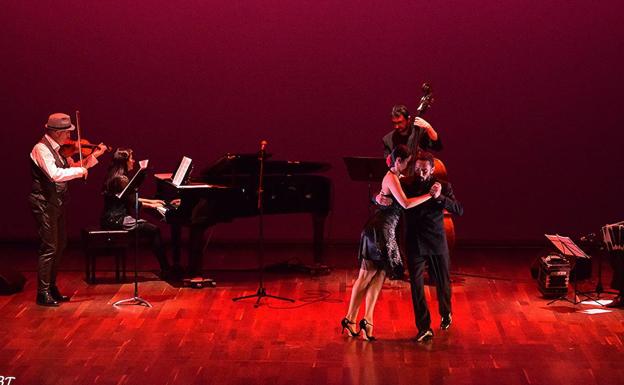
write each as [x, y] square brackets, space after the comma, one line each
[227, 189]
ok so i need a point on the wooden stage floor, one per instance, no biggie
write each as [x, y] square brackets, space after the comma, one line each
[503, 332]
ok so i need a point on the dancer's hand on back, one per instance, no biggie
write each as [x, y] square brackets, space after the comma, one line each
[383, 200]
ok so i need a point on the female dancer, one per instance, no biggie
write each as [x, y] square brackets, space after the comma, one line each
[378, 252]
[117, 212]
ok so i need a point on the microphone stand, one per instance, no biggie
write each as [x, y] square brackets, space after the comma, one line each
[591, 238]
[261, 292]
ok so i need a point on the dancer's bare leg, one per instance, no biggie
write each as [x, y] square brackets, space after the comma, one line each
[372, 294]
[358, 291]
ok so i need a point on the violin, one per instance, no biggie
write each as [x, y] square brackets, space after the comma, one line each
[72, 147]
[82, 147]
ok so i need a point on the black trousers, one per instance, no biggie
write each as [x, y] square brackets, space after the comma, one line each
[438, 269]
[50, 220]
[151, 233]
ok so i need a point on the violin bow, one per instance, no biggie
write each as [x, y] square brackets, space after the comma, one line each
[79, 143]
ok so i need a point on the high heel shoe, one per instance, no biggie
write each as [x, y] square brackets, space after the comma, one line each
[363, 324]
[345, 323]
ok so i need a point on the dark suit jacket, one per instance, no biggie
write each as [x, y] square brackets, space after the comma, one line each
[425, 233]
[390, 141]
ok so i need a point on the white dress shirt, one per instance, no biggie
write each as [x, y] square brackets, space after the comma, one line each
[43, 158]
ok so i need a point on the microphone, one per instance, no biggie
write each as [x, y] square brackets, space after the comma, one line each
[263, 144]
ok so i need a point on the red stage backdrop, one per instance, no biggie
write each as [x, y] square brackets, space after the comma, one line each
[527, 98]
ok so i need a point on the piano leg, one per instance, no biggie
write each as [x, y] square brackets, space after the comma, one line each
[196, 256]
[196, 249]
[318, 223]
[176, 241]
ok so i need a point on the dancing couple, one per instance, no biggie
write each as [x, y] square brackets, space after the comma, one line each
[424, 199]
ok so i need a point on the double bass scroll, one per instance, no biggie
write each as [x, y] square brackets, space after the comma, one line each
[439, 168]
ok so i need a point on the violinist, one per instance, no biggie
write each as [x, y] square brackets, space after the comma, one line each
[406, 133]
[48, 198]
[117, 214]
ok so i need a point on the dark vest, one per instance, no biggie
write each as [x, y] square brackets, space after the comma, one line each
[44, 188]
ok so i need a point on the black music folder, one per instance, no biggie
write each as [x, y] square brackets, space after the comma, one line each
[366, 169]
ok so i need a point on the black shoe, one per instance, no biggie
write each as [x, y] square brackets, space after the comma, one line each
[446, 322]
[345, 323]
[56, 294]
[424, 335]
[617, 302]
[363, 324]
[46, 299]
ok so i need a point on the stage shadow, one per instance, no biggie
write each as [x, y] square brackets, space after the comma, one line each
[110, 280]
[560, 309]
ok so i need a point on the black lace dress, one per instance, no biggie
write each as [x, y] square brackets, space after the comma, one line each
[378, 244]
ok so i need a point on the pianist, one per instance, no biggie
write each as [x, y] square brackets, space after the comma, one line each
[117, 213]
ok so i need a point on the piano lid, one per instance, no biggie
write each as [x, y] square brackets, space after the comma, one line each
[247, 164]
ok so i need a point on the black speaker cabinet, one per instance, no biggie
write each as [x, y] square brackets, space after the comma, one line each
[553, 276]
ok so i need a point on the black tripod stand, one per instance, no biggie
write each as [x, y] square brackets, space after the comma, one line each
[133, 186]
[592, 240]
[261, 293]
[576, 294]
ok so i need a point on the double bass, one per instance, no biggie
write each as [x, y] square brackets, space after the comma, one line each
[439, 169]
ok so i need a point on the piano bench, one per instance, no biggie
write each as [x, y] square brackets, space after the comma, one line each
[104, 242]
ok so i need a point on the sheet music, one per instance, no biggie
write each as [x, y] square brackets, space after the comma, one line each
[142, 166]
[178, 178]
[566, 246]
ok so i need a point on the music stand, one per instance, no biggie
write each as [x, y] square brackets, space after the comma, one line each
[133, 188]
[570, 251]
[366, 169]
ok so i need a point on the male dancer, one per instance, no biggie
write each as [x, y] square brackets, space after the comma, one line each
[426, 242]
